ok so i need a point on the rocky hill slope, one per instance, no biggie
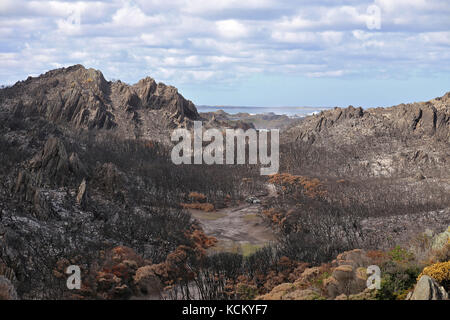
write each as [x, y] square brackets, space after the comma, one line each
[408, 139]
[82, 98]
[84, 166]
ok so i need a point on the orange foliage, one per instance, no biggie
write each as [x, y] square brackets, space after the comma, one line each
[274, 217]
[207, 207]
[195, 196]
[377, 256]
[122, 253]
[202, 240]
[289, 183]
[198, 202]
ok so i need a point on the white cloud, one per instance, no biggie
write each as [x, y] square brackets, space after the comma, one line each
[132, 16]
[218, 41]
[232, 29]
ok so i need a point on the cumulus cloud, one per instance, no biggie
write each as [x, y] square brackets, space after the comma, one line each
[231, 29]
[216, 42]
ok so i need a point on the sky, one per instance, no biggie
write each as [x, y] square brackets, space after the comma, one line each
[241, 52]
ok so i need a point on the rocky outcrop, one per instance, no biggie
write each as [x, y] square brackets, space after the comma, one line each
[50, 168]
[82, 98]
[82, 195]
[69, 95]
[430, 118]
[347, 280]
[52, 163]
[25, 186]
[408, 139]
[27, 190]
[159, 96]
[76, 166]
[428, 289]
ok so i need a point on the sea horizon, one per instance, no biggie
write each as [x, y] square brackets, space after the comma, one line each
[253, 110]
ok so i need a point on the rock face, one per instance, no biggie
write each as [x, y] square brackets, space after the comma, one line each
[349, 276]
[428, 289]
[52, 163]
[83, 98]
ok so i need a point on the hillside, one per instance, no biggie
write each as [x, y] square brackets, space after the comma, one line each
[85, 167]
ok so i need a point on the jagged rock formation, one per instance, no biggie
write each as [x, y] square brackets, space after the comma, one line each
[83, 98]
[52, 163]
[430, 118]
[412, 139]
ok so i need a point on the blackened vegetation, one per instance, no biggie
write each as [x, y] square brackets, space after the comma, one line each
[387, 173]
[84, 171]
[133, 198]
[330, 199]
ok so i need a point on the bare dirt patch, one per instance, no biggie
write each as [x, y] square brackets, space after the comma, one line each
[239, 229]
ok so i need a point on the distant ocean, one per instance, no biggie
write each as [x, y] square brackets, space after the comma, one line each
[289, 111]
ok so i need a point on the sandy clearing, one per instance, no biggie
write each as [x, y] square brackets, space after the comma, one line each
[238, 229]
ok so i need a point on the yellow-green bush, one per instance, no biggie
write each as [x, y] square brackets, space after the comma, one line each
[439, 272]
[246, 291]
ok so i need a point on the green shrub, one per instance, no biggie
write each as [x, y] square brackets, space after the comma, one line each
[397, 279]
[398, 254]
[246, 292]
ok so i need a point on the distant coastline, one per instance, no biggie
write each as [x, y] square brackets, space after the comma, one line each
[289, 111]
